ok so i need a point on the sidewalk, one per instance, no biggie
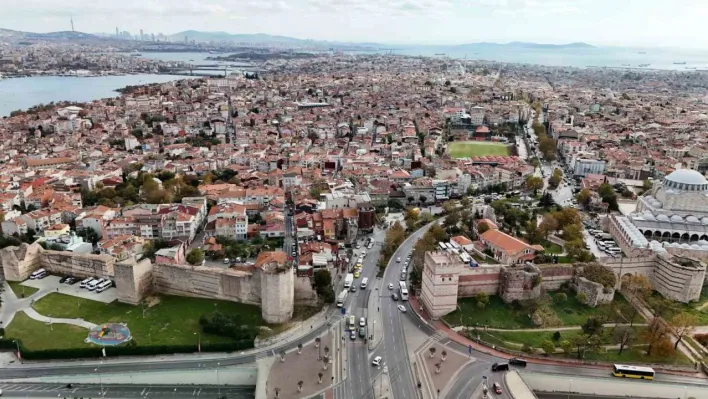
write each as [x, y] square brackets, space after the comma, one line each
[382, 387]
[571, 328]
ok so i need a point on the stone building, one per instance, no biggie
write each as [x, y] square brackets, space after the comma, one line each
[269, 283]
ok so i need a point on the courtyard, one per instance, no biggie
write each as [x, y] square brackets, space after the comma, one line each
[467, 149]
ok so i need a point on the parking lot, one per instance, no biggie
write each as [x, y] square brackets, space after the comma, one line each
[52, 284]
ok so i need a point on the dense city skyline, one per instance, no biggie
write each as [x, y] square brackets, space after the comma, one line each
[629, 23]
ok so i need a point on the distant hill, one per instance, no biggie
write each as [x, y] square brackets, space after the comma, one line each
[14, 35]
[527, 45]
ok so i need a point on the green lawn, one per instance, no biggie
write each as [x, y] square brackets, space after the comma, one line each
[572, 312]
[173, 321]
[36, 335]
[668, 308]
[466, 149]
[19, 289]
[551, 248]
[496, 314]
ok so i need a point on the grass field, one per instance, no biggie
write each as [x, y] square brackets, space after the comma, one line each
[571, 312]
[465, 149]
[19, 289]
[173, 321]
[36, 335]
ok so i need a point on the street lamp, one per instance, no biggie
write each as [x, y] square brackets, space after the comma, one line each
[199, 341]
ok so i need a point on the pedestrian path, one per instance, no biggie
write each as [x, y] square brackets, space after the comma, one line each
[568, 328]
[12, 305]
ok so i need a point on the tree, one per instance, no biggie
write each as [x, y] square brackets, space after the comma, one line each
[555, 178]
[443, 355]
[299, 386]
[561, 297]
[534, 183]
[195, 257]
[319, 377]
[432, 352]
[557, 336]
[682, 325]
[482, 228]
[584, 197]
[482, 300]
[299, 348]
[636, 284]
[593, 326]
[548, 346]
[411, 217]
[282, 355]
[623, 336]
[325, 362]
[654, 332]
[573, 232]
[567, 346]
[437, 368]
[317, 342]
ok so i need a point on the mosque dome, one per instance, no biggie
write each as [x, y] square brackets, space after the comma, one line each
[662, 218]
[676, 219]
[692, 219]
[686, 179]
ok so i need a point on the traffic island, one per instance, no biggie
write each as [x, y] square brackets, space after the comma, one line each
[438, 366]
[382, 386]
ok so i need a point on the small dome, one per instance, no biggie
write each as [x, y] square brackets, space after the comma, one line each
[702, 242]
[676, 219]
[662, 218]
[656, 204]
[692, 219]
[695, 246]
[648, 215]
[685, 246]
[704, 220]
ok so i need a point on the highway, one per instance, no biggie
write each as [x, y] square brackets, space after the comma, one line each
[11, 390]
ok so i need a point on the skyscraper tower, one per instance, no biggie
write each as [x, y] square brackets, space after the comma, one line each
[142, 37]
[72, 23]
[117, 34]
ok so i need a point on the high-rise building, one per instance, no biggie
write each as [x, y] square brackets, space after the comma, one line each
[142, 36]
[117, 34]
[153, 37]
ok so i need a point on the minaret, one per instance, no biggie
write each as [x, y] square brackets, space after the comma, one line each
[72, 23]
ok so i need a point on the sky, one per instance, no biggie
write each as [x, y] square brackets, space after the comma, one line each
[641, 23]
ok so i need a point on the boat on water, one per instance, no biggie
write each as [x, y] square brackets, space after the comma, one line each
[680, 63]
[643, 65]
[136, 55]
[439, 53]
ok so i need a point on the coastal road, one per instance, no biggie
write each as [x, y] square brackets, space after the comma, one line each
[23, 390]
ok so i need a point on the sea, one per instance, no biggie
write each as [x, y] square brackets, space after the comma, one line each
[21, 93]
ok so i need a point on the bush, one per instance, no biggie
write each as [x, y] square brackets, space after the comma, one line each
[227, 326]
[557, 336]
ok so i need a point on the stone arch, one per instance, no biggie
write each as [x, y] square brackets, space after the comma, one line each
[694, 237]
[704, 237]
[647, 233]
[675, 237]
[657, 234]
[685, 237]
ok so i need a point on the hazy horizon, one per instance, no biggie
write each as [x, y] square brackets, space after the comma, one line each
[601, 23]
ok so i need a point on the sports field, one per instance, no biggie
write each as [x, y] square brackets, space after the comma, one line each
[466, 149]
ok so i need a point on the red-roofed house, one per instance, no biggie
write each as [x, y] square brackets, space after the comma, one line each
[507, 249]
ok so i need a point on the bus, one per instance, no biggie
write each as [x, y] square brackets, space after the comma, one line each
[404, 290]
[644, 373]
[352, 322]
[364, 282]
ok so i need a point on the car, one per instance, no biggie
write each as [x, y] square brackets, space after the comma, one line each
[362, 332]
[352, 288]
[71, 280]
[394, 296]
[497, 388]
[362, 322]
[353, 335]
[398, 260]
[516, 361]
[357, 246]
[402, 308]
[376, 361]
[63, 279]
[390, 286]
[226, 261]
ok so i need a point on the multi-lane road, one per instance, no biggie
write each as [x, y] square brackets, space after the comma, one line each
[16, 390]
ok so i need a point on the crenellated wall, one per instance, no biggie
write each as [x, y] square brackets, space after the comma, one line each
[278, 300]
[479, 279]
[593, 293]
[555, 275]
[519, 283]
[19, 262]
[204, 282]
[77, 265]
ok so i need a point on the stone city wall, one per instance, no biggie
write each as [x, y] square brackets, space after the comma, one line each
[203, 282]
[680, 279]
[304, 293]
[593, 293]
[688, 252]
[519, 283]
[555, 275]
[479, 279]
[77, 265]
[19, 262]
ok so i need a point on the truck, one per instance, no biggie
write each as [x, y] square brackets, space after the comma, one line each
[348, 280]
[341, 298]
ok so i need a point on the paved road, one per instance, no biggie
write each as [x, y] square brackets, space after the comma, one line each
[566, 396]
[358, 382]
[123, 391]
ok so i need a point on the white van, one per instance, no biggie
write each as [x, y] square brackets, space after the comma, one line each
[364, 282]
[85, 282]
[37, 274]
[95, 283]
[104, 286]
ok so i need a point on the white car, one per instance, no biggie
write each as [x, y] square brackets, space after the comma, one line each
[377, 361]
[390, 286]
[402, 308]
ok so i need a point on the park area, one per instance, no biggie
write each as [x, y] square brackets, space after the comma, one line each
[468, 149]
[163, 321]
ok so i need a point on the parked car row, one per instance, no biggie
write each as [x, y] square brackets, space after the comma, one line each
[96, 284]
[606, 243]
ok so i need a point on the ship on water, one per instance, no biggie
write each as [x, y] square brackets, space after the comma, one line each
[644, 65]
[680, 63]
